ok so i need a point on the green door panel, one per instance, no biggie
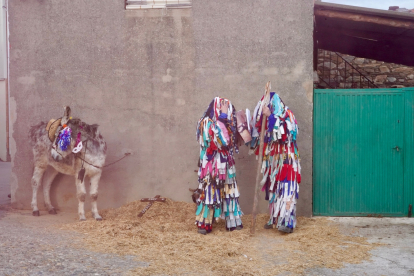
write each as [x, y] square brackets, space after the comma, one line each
[360, 153]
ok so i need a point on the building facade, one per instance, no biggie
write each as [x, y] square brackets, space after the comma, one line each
[146, 76]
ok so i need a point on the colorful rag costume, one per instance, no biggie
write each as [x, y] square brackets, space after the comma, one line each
[281, 163]
[217, 195]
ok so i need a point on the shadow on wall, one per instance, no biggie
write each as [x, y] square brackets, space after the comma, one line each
[5, 171]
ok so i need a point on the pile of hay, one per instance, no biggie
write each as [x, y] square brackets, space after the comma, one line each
[167, 239]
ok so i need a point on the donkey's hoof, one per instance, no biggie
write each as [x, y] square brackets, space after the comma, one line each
[52, 211]
[36, 213]
[98, 219]
[82, 219]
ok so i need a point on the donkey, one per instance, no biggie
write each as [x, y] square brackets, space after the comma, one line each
[49, 160]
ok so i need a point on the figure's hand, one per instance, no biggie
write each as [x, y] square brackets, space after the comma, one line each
[266, 111]
[224, 107]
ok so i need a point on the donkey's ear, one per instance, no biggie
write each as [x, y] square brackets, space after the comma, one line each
[66, 112]
[66, 115]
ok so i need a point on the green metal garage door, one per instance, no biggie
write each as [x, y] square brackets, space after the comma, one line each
[363, 152]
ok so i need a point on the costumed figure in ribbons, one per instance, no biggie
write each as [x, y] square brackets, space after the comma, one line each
[217, 195]
[281, 163]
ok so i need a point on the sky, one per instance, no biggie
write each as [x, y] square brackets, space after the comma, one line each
[375, 4]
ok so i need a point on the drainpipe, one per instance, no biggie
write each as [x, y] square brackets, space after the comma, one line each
[6, 6]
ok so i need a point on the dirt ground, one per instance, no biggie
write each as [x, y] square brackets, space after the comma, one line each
[169, 238]
[165, 242]
[125, 245]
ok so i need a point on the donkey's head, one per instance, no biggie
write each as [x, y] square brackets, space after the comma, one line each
[63, 144]
[78, 132]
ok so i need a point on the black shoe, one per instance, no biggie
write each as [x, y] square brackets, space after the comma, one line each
[202, 231]
[240, 227]
[285, 229]
[268, 226]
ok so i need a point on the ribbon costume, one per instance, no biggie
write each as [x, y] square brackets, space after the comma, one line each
[281, 162]
[217, 195]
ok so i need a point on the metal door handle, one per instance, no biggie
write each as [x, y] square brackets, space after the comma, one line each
[396, 148]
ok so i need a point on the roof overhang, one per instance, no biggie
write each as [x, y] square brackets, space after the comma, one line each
[370, 33]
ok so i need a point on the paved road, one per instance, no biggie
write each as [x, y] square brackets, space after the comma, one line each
[396, 258]
[34, 246]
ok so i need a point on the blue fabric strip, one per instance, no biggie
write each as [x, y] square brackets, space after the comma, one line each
[199, 208]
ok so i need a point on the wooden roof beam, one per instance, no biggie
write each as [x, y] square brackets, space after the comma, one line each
[366, 48]
[364, 18]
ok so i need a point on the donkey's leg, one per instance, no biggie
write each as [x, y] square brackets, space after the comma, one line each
[36, 182]
[94, 195]
[48, 177]
[81, 194]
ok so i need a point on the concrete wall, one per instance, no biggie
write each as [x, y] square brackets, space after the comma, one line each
[146, 77]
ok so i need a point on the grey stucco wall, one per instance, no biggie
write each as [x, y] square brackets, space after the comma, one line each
[146, 77]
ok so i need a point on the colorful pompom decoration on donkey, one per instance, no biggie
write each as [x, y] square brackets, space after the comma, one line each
[64, 138]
